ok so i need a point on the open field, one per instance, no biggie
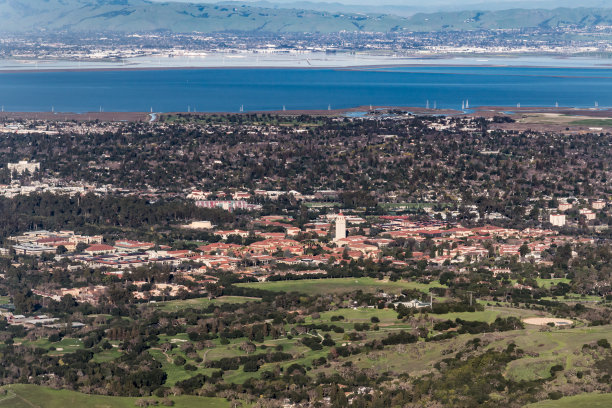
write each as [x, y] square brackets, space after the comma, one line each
[488, 315]
[547, 283]
[557, 346]
[546, 348]
[408, 206]
[322, 205]
[201, 303]
[593, 122]
[339, 285]
[558, 118]
[32, 396]
[577, 401]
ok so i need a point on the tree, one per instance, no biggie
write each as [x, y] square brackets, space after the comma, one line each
[251, 366]
[80, 247]
[524, 250]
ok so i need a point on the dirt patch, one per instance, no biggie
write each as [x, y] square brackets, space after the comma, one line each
[543, 321]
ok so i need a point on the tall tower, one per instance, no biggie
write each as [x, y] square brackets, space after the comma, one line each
[340, 227]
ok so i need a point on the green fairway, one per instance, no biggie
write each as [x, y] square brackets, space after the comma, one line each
[29, 396]
[577, 401]
[201, 303]
[339, 285]
[65, 345]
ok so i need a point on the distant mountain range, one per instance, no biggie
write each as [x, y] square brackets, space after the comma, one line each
[407, 8]
[143, 15]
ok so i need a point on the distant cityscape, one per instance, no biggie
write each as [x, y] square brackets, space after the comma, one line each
[121, 48]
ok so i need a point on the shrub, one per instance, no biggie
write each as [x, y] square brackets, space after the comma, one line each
[328, 342]
[554, 369]
[251, 366]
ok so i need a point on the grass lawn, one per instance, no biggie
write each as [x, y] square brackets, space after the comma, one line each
[29, 396]
[321, 205]
[577, 401]
[411, 206]
[593, 122]
[574, 297]
[175, 373]
[107, 355]
[360, 315]
[201, 303]
[339, 285]
[547, 283]
[528, 369]
[65, 345]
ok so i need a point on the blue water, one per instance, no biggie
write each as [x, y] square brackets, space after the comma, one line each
[210, 90]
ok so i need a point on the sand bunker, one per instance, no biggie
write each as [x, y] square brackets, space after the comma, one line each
[543, 321]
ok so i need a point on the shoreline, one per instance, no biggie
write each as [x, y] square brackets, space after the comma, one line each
[375, 67]
[478, 111]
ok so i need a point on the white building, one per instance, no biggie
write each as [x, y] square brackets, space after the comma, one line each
[199, 225]
[413, 304]
[340, 227]
[558, 220]
[588, 214]
[22, 166]
[598, 205]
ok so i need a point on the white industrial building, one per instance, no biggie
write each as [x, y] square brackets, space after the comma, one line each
[22, 166]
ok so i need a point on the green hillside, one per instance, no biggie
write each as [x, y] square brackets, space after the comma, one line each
[577, 401]
[28, 396]
[142, 15]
